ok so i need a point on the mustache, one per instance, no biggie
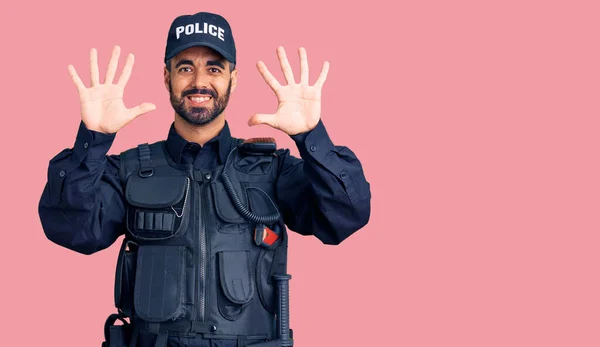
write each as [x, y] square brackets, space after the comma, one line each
[204, 91]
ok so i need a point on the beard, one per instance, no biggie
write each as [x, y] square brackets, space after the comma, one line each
[199, 115]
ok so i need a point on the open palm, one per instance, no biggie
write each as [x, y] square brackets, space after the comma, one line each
[299, 108]
[102, 106]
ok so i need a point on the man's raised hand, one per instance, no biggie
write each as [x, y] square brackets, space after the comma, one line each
[299, 104]
[102, 107]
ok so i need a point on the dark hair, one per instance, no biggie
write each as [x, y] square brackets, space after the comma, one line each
[231, 66]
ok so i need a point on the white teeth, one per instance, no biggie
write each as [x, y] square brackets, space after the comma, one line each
[201, 99]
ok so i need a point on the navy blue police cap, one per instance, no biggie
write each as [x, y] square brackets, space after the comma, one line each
[200, 29]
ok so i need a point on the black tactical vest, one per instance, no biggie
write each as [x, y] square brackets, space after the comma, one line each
[193, 259]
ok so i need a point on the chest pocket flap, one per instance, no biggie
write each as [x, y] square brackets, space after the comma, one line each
[156, 191]
[157, 206]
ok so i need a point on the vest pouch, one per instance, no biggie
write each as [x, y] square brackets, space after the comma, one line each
[125, 277]
[229, 220]
[158, 206]
[264, 282]
[256, 165]
[236, 288]
[160, 283]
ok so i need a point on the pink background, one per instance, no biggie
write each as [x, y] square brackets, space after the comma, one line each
[484, 227]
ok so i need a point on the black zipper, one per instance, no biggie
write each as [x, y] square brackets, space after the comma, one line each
[196, 281]
[202, 255]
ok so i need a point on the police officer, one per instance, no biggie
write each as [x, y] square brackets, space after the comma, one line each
[204, 214]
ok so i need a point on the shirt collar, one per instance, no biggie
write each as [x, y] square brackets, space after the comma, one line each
[223, 143]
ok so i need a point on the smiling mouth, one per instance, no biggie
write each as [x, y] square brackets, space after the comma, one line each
[198, 100]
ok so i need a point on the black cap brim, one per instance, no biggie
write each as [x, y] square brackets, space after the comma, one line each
[221, 51]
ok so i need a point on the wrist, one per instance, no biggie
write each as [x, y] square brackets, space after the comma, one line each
[91, 144]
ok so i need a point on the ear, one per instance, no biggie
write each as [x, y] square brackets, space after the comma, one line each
[167, 78]
[234, 78]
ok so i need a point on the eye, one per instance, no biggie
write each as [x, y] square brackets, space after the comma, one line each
[185, 69]
[214, 70]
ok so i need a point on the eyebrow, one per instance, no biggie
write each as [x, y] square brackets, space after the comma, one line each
[218, 63]
[184, 62]
[215, 63]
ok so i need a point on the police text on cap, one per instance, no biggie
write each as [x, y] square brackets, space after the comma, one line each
[195, 29]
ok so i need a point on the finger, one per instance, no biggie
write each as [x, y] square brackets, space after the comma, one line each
[112, 65]
[268, 77]
[263, 118]
[285, 65]
[94, 79]
[76, 80]
[323, 75]
[141, 109]
[303, 66]
[124, 78]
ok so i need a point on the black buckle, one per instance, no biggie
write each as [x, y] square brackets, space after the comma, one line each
[147, 172]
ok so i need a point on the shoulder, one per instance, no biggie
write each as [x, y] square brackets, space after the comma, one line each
[130, 158]
[134, 151]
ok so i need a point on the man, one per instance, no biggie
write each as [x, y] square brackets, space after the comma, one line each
[204, 214]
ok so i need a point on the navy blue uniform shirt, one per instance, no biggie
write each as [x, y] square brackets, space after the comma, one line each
[325, 193]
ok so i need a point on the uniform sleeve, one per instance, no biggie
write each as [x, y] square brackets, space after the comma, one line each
[81, 207]
[325, 193]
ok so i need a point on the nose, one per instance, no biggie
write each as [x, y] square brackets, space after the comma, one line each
[201, 80]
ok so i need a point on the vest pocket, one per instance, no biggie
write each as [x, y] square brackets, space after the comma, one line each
[229, 220]
[160, 283]
[264, 284]
[157, 206]
[125, 277]
[236, 285]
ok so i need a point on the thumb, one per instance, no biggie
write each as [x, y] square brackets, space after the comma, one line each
[141, 109]
[263, 118]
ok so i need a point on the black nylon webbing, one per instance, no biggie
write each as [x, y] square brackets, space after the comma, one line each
[144, 152]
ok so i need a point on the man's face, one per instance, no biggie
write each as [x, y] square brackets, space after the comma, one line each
[199, 84]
